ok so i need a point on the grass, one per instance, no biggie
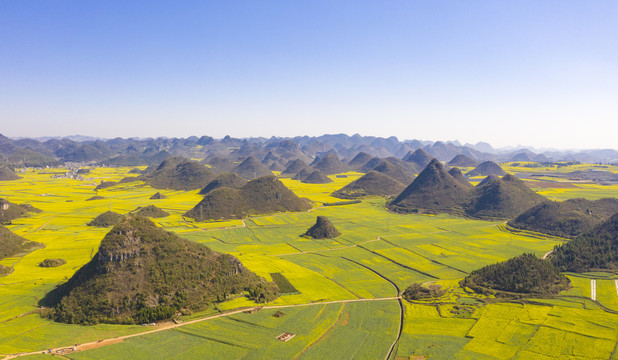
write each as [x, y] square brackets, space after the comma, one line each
[376, 248]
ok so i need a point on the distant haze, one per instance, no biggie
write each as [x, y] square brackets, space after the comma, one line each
[537, 73]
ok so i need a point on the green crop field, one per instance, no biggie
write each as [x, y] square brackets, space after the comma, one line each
[342, 307]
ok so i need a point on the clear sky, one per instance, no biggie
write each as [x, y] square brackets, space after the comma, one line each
[537, 73]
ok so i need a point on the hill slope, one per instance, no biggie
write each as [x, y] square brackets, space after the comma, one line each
[434, 189]
[462, 161]
[180, 174]
[419, 157]
[329, 164]
[459, 176]
[12, 244]
[316, 177]
[252, 168]
[394, 171]
[596, 249]
[372, 183]
[502, 198]
[107, 219]
[7, 174]
[302, 174]
[524, 274]
[141, 273]
[10, 211]
[230, 180]
[487, 168]
[293, 167]
[151, 211]
[566, 218]
[322, 229]
[260, 196]
[359, 160]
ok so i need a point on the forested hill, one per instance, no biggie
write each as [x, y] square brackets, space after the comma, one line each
[525, 274]
[596, 249]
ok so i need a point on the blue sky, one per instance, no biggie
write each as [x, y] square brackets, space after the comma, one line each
[538, 73]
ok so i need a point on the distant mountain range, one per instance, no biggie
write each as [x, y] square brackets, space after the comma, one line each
[273, 153]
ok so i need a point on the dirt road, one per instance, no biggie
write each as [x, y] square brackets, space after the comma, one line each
[169, 325]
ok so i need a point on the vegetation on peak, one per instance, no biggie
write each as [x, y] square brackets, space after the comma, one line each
[105, 184]
[10, 211]
[419, 157]
[157, 196]
[95, 197]
[596, 249]
[302, 174]
[524, 274]
[488, 179]
[150, 211]
[459, 176]
[359, 160]
[316, 177]
[487, 168]
[13, 244]
[394, 171]
[142, 273]
[107, 219]
[504, 197]
[252, 168]
[417, 291]
[52, 263]
[7, 174]
[220, 164]
[372, 183]
[369, 165]
[433, 190]
[329, 164]
[322, 229]
[462, 160]
[229, 180]
[294, 167]
[259, 196]
[566, 218]
[180, 174]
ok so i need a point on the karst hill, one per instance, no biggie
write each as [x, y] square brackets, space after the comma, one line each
[486, 168]
[142, 273]
[229, 180]
[260, 196]
[594, 250]
[504, 197]
[566, 218]
[372, 183]
[433, 190]
[252, 168]
[322, 229]
[178, 173]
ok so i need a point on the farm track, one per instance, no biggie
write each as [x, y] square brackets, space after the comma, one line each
[170, 325]
[42, 226]
[547, 254]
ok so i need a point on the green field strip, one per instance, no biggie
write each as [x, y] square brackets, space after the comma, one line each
[426, 257]
[398, 263]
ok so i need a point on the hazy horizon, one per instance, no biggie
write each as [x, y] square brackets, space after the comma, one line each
[505, 147]
[539, 74]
